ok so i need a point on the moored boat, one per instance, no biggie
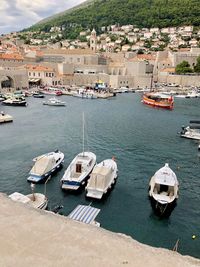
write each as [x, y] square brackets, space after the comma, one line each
[38, 95]
[15, 102]
[35, 200]
[78, 171]
[54, 102]
[5, 117]
[158, 100]
[101, 179]
[45, 165]
[163, 190]
[188, 132]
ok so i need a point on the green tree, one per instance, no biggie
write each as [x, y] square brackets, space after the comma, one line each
[197, 66]
[183, 67]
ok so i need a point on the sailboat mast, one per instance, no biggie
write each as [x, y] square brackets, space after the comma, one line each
[83, 133]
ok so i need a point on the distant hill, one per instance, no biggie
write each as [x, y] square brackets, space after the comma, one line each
[141, 13]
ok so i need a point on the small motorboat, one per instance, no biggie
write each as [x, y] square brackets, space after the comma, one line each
[85, 214]
[18, 102]
[35, 200]
[83, 93]
[38, 95]
[54, 102]
[45, 166]
[102, 178]
[5, 117]
[190, 133]
[78, 171]
[158, 100]
[163, 190]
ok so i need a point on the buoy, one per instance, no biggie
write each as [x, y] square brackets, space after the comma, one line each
[194, 236]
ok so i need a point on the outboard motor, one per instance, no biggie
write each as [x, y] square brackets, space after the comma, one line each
[57, 208]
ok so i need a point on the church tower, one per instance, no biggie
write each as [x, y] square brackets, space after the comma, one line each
[93, 40]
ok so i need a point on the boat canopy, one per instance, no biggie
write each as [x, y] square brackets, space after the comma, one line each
[83, 213]
[99, 177]
[165, 176]
[43, 165]
[19, 197]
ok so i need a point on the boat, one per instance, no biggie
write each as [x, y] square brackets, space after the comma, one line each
[190, 133]
[5, 117]
[51, 91]
[35, 200]
[54, 102]
[79, 169]
[38, 95]
[158, 100]
[163, 190]
[15, 102]
[83, 93]
[45, 166]
[85, 214]
[102, 178]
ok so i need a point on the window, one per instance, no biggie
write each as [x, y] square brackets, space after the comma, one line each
[33, 73]
[39, 74]
[78, 60]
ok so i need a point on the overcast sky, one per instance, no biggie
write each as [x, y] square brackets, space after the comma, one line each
[16, 15]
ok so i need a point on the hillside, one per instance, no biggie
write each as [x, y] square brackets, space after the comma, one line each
[142, 13]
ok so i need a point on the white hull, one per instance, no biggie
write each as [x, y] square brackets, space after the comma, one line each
[190, 133]
[78, 171]
[164, 186]
[5, 118]
[102, 178]
[54, 102]
[45, 165]
[35, 200]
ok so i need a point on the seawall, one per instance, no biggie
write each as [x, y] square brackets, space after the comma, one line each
[30, 237]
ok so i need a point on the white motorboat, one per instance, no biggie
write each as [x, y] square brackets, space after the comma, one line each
[18, 102]
[79, 169]
[35, 200]
[83, 93]
[5, 117]
[163, 190]
[85, 214]
[45, 165]
[101, 179]
[188, 132]
[54, 102]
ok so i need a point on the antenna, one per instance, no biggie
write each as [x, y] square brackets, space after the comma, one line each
[83, 133]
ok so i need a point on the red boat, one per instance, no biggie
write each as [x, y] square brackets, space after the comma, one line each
[158, 100]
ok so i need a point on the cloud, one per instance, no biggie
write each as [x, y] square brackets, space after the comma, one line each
[16, 15]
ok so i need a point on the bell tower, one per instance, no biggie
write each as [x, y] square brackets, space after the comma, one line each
[93, 40]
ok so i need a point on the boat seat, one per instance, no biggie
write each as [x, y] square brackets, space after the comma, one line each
[156, 189]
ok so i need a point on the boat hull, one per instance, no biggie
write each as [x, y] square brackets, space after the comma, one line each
[40, 179]
[16, 104]
[69, 181]
[93, 190]
[159, 104]
[162, 210]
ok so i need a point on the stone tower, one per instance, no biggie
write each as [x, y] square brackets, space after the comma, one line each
[93, 40]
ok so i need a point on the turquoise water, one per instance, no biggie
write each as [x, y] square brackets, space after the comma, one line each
[140, 137]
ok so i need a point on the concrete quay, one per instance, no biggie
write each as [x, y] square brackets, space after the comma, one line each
[30, 237]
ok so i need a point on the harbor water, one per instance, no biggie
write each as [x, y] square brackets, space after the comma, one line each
[141, 138]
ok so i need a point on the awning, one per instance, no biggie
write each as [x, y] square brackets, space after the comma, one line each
[34, 80]
[85, 214]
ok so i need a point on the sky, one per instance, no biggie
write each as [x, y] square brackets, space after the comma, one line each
[15, 15]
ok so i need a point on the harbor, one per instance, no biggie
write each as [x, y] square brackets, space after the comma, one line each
[141, 138]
